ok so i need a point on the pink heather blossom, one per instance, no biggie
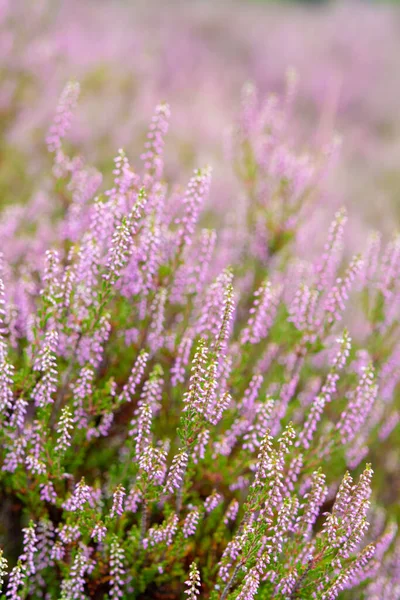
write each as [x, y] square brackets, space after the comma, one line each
[82, 390]
[153, 462]
[326, 393]
[99, 532]
[303, 311]
[218, 299]
[204, 255]
[73, 588]
[91, 348]
[30, 548]
[46, 365]
[133, 500]
[371, 257]
[152, 156]
[16, 580]
[212, 501]
[64, 428]
[190, 523]
[335, 302]
[194, 398]
[162, 534]
[231, 512]
[82, 494]
[142, 427]
[390, 266]
[311, 505]
[62, 120]
[193, 583]
[6, 369]
[346, 574]
[157, 311]
[326, 266]
[17, 419]
[199, 449]
[117, 508]
[135, 378]
[15, 456]
[177, 471]
[196, 193]
[360, 403]
[247, 404]
[45, 541]
[48, 493]
[182, 360]
[250, 585]
[262, 314]
[117, 571]
[3, 568]
[58, 551]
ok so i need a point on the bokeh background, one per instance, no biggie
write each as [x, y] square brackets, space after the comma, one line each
[197, 55]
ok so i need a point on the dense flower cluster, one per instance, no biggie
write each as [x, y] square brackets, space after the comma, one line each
[181, 417]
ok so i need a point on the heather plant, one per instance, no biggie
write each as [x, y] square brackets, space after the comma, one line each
[184, 417]
[347, 54]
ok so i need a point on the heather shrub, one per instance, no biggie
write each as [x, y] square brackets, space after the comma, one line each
[190, 412]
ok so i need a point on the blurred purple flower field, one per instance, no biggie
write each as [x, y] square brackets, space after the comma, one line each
[197, 56]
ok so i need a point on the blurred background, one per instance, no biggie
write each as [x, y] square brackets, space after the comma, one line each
[128, 55]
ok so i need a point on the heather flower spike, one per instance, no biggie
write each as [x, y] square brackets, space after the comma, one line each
[193, 583]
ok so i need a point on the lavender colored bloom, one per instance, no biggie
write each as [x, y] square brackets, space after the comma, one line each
[177, 471]
[30, 548]
[3, 568]
[195, 396]
[196, 193]
[212, 501]
[73, 588]
[117, 508]
[199, 449]
[157, 311]
[310, 507]
[335, 302]
[16, 580]
[58, 551]
[262, 314]
[82, 494]
[153, 462]
[62, 121]
[152, 157]
[250, 585]
[359, 406]
[6, 369]
[82, 389]
[193, 583]
[231, 512]
[303, 311]
[45, 542]
[46, 364]
[345, 575]
[326, 266]
[182, 359]
[64, 428]
[142, 427]
[135, 378]
[117, 571]
[99, 532]
[190, 523]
